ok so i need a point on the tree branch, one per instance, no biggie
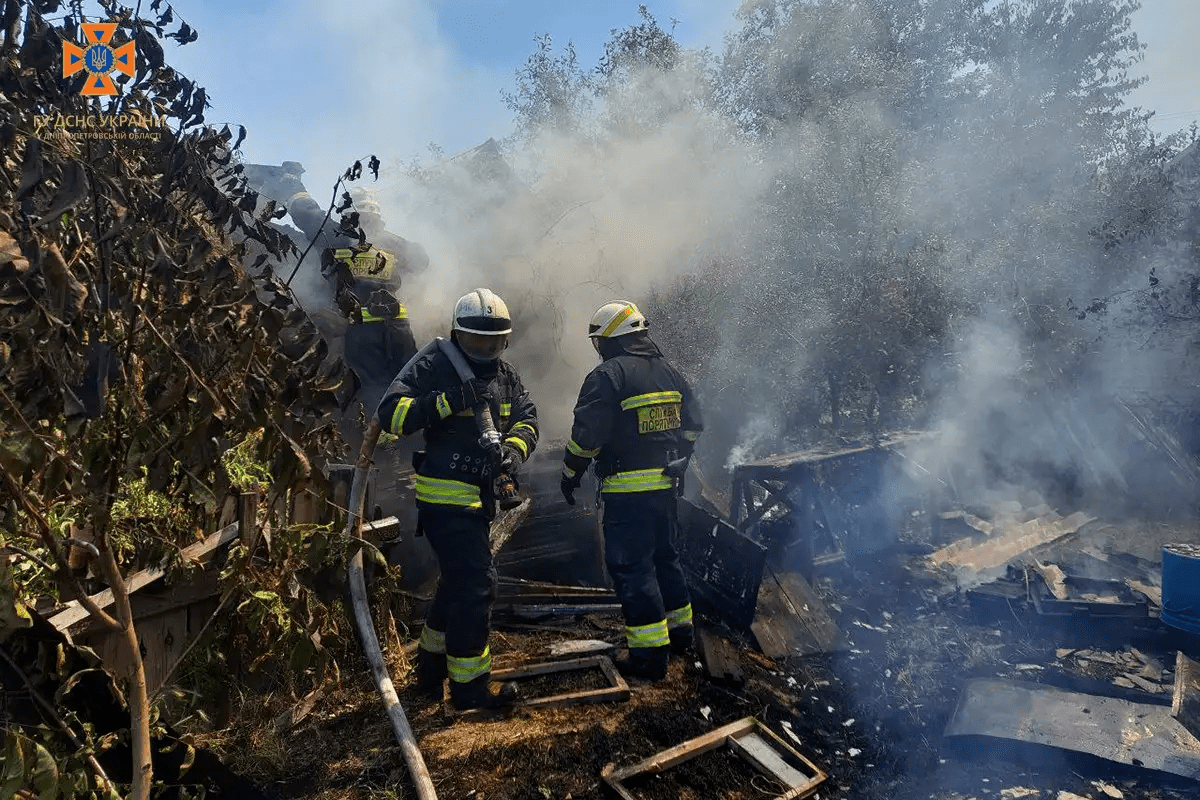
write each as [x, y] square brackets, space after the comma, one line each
[63, 572]
[102, 781]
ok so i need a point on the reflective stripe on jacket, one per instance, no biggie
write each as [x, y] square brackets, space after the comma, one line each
[634, 411]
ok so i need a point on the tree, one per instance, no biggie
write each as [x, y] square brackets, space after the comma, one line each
[135, 346]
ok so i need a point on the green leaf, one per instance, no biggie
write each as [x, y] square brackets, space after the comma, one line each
[44, 776]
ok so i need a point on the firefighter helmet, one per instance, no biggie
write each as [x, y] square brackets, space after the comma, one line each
[617, 319]
[481, 325]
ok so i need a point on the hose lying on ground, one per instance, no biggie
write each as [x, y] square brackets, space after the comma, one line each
[366, 628]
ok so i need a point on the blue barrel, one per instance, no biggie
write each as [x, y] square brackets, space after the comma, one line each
[1181, 587]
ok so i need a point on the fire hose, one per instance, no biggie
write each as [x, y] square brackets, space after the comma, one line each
[506, 491]
[362, 612]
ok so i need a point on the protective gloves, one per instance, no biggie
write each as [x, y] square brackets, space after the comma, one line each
[467, 396]
[512, 460]
[569, 484]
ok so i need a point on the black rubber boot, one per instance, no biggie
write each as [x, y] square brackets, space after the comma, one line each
[682, 640]
[647, 663]
[477, 694]
[431, 673]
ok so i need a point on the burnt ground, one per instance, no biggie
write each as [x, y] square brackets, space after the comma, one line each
[871, 717]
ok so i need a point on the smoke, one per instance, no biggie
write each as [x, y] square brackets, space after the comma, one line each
[832, 234]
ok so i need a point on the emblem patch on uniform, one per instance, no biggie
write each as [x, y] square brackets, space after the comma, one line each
[663, 417]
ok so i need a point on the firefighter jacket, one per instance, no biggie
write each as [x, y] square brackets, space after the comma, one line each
[367, 283]
[635, 411]
[455, 470]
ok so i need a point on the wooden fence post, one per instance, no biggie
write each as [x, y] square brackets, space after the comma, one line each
[248, 520]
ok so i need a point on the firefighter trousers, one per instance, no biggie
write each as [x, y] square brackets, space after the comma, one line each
[640, 530]
[459, 618]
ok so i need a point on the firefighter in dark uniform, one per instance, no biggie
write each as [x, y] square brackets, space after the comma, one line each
[454, 488]
[635, 414]
[379, 339]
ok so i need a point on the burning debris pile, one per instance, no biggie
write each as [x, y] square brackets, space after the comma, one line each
[838, 656]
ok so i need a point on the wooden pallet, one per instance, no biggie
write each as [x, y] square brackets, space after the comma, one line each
[755, 743]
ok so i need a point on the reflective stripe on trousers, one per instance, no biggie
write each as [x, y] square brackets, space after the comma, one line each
[652, 635]
[464, 670]
[680, 617]
[433, 641]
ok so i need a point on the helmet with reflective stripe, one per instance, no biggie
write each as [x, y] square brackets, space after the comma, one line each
[482, 312]
[617, 319]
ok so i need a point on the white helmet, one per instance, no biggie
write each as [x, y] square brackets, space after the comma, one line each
[617, 319]
[481, 325]
[482, 312]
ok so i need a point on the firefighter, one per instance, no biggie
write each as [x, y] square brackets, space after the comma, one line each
[379, 339]
[635, 415]
[454, 488]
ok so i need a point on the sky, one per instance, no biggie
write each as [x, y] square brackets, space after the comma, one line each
[325, 83]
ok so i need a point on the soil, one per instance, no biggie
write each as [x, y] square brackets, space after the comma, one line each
[566, 682]
[717, 773]
[871, 717]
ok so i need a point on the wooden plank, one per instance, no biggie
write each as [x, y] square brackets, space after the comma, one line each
[198, 553]
[748, 738]
[682, 752]
[546, 668]
[814, 775]
[150, 603]
[617, 691]
[1185, 704]
[792, 620]
[248, 519]
[720, 660]
[1120, 731]
[507, 523]
[163, 638]
[974, 563]
[767, 759]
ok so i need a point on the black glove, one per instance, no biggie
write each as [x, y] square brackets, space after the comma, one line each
[469, 395]
[568, 485]
[512, 460]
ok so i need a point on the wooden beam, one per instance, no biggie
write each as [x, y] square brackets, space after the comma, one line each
[617, 690]
[1185, 705]
[748, 738]
[198, 553]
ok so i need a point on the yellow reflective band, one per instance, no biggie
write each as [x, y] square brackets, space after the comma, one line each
[367, 316]
[652, 635]
[651, 399]
[440, 491]
[680, 617]
[433, 641]
[519, 444]
[443, 406]
[527, 426]
[399, 415]
[638, 480]
[617, 320]
[386, 438]
[464, 670]
[575, 450]
[505, 409]
[568, 472]
[691, 436]
[373, 263]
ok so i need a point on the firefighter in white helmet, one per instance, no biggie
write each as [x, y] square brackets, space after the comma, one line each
[454, 488]
[638, 418]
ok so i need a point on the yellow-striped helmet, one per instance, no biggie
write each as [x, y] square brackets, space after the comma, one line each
[616, 319]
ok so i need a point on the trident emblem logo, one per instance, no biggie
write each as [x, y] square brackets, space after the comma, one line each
[98, 59]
